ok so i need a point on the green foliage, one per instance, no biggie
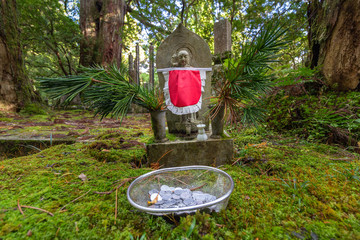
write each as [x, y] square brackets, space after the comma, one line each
[107, 90]
[108, 150]
[161, 17]
[289, 76]
[295, 188]
[245, 77]
[327, 116]
[33, 109]
[351, 173]
[50, 38]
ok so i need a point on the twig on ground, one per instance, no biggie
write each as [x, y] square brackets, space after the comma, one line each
[156, 165]
[19, 207]
[195, 188]
[42, 210]
[116, 203]
[122, 183]
[74, 200]
[281, 180]
[341, 159]
[237, 160]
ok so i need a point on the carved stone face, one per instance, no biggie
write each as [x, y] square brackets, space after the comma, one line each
[174, 60]
[184, 58]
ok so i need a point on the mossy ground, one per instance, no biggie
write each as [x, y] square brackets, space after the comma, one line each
[285, 188]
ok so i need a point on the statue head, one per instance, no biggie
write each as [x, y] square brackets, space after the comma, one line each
[174, 60]
[183, 58]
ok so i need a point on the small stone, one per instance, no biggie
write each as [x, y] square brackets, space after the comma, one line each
[153, 191]
[198, 202]
[199, 197]
[178, 191]
[164, 192]
[166, 197]
[185, 195]
[187, 191]
[170, 197]
[197, 192]
[165, 188]
[165, 205]
[181, 205]
[210, 198]
[189, 202]
[160, 202]
[154, 196]
[172, 202]
[175, 196]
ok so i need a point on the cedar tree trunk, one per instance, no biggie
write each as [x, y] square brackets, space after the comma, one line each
[101, 23]
[15, 88]
[334, 40]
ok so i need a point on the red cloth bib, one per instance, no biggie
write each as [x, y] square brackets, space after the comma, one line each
[184, 87]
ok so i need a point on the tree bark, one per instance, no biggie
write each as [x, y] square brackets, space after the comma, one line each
[15, 88]
[101, 23]
[334, 40]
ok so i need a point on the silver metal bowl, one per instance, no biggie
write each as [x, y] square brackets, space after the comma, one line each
[201, 178]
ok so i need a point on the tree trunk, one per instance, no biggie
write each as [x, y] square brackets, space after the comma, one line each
[334, 40]
[15, 88]
[101, 23]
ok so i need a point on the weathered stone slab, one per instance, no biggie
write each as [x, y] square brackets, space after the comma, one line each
[213, 152]
[222, 36]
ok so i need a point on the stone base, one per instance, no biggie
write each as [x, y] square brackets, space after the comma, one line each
[213, 152]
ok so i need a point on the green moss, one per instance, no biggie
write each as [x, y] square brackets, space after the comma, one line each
[33, 109]
[4, 119]
[264, 204]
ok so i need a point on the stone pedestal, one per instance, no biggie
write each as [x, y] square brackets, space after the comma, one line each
[213, 152]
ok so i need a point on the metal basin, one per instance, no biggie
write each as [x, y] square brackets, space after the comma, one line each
[206, 179]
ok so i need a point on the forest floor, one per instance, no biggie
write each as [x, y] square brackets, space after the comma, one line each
[75, 124]
[285, 187]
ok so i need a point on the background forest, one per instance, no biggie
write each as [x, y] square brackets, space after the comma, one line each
[296, 173]
[54, 38]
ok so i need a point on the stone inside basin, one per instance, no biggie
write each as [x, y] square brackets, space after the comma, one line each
[181, 190]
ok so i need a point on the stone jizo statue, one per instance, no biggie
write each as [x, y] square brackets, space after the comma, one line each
[184, 63]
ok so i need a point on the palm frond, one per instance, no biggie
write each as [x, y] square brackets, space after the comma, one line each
[107, 90]
[245, 77]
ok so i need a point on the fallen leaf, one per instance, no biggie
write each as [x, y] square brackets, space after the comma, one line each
[29, 233]
[73, 133]
[105, 150]
[87, 131]
[83, 177]
[15, 127]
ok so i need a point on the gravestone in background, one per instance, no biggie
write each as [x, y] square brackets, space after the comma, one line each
[182, 38]
[222, 37]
